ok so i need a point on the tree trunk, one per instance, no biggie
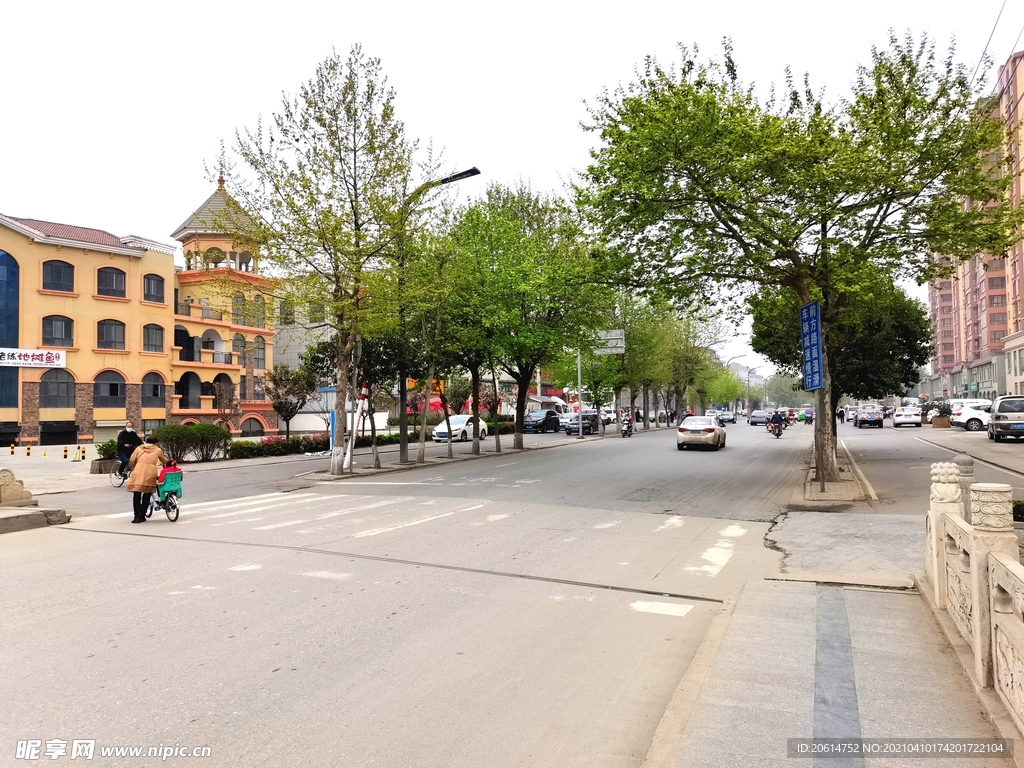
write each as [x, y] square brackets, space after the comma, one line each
[338, 455]
[654, 397]
[421, 452]
[523, 378]
[447, 423]
[288, 429]
[829, 466]
[497, 407]
[647, 409]
[474, 375]
[373, 432]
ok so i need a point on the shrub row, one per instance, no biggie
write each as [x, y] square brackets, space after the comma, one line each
[275, 445]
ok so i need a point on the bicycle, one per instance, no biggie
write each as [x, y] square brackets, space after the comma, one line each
[116, 478]
[167, 494]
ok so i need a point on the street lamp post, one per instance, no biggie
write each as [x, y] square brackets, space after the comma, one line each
[750, 371]
[403, 394]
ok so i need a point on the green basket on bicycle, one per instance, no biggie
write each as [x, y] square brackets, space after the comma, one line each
[171, 484]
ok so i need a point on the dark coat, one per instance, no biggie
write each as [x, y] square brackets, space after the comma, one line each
[127, 442]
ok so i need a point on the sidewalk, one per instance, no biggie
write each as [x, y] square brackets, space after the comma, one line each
[801, 660]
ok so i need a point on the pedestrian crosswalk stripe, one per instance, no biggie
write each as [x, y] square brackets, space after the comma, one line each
[211, 506]
[375, 531]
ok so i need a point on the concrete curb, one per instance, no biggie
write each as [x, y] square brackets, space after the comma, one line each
[672, 729]
[27, 518]
[990, 702]
[443, 461]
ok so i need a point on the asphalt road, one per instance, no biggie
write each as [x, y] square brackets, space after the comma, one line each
[531, 610]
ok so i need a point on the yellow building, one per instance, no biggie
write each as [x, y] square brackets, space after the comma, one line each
[97, 329]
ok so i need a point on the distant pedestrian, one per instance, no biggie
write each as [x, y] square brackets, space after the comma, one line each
[127, 441]
[842, 416]
[143, 481]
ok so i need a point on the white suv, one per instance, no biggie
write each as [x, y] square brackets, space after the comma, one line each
[973, 419]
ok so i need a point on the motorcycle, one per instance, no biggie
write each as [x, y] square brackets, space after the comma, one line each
[627, 427]
[809, 420]
[777, 430]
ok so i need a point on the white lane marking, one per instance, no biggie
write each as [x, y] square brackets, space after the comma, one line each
[623, 563]
[466, 509]
[327, 575]
[375, 531]
[200, 586]
[716, 557]
[233, 522]
[612, 524]
[506, 465]
[246, 567]
[563, 598]
[860, 475]
[733, 531]
[120, 514]
[367, 482]
[665, 609]
[175, 593]
[251, 510]
[496, 518]
[428, 503]
[240, 499]
[279, 525]
[676, 521]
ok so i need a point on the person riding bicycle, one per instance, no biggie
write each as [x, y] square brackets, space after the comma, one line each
[127, 441]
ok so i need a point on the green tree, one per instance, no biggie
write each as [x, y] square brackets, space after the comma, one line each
[782, 391]
[288, 390]
[878, 346]
[707, 187]
[538, 281]
[322, 194]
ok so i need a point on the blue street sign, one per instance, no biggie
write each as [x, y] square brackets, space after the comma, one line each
[810, 342]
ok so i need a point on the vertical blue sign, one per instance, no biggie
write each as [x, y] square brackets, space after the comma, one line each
[810, 342]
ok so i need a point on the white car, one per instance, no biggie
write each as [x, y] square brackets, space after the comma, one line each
[462, 429]
[906, 416]
[956, 405]
[973, 419]
[563, 420]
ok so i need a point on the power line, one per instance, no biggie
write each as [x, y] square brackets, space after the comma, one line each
[990, 35]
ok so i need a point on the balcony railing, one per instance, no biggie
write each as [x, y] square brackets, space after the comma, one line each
[182, 309]
[212, 314]
[190, 356]
[187, 403]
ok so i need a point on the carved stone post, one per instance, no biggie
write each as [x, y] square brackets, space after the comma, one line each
[992, 513]
[945, 498]
[966, 466]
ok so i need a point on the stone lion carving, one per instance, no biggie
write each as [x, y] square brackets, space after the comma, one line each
[945, 482]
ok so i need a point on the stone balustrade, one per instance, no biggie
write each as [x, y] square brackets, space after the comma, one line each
[1006, 577]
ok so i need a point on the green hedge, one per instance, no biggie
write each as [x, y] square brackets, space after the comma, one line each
[275, 445]
[107, 450]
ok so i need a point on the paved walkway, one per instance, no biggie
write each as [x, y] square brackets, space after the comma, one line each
[803, 660]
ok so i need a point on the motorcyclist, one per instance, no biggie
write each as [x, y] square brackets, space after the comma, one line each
[776, 420]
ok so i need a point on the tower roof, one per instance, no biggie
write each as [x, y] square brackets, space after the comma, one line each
[203, 220]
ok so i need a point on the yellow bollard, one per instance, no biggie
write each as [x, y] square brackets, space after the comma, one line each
[28, 450]
[45, 454]
[12, 449]
[83, 453]
[65, 451]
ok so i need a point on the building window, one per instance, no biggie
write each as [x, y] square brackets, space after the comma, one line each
[9, 326]
[946, 298]
[946, 323]
[947, 347]
[257, 389]
[995, 336]
[945, 285]
[153, 288]
[945, 310]
[259, 312]
[238, 309]
[58, 331]
[58, 276]
[108, 391]
[57, 389]
[947, 359]
[316, 313]
[110, 334]
[259, 354]
[997, 318]
[110, 282]
[252, 428]
[148, 425]
[153, 391]
[998, 300]
[287, 314]
[152, 338]
[996, 282]
[947, 334]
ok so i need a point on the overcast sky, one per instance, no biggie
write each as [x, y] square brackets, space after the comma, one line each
[111, 108]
